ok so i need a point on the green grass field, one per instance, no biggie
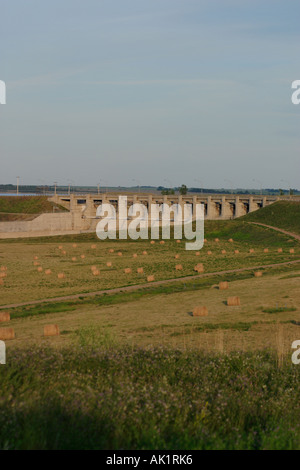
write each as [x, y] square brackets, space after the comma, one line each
[135, 369]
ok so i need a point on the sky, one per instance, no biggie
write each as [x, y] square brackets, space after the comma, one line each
[150, 92]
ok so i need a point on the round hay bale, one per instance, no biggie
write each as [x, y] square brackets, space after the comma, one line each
[127, 271]
[178, 241]
[177, 256]
[197, 253]
[134, 255]
[48, 271]
[61, 276]
[35, 258]
[74, 245]
[140, 270]
[3, 274]
[236, 252]
[3, 268]
[217, 240]
[150, 278]
[109, 264]
[4, 316]
[36, 263]
[279, 250]
[201, 311]
[230, 240]
[145, 253]
[1, 282]
[292, 250]
[60, 247]
[199, 268]
[96, 272]
[178, 267]
[7, 334]
[51, 330]
[251, 250]
[74, 258]
[93, 247]
[93, 268]
[233, 301]
[205, 240]
[162, 242]
[209, 252]
[266, 250]
[152, 242]
[258, 274]
[40, 269]
[82, 256]
[64, 252]
[120, 253]
[111, 250]
[223, 252]
[223, 285]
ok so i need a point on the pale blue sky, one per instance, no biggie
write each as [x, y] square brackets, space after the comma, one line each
[153, 92]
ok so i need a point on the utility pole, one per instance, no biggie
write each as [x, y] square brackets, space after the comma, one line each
[18, 182]
[55, 188]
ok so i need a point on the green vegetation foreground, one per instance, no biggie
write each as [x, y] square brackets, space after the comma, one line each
[123, 398]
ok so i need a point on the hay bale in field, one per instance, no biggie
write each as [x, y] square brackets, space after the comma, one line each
[127, 271]
[230, 240]
[178, 241]
[82, 256]
[111, 250]
[60, 247]
[209, 252]
[109, 264]
[197, 253]
[74, 245]
[51, 330]
[61, 276]
[1, 282]
[162, 242]
[35, 258]
[7, 333]
[145, 253]
[152, 242]
[236, 252]
[93, 247]
[120, 253]
[223, 285]
[140, 270]
[36, 263]
[205, 240]
[48, 271]
[266, 250]
[292, 250]
[233, 301]
[251, 250]
[217, 240]
[178, 267]
[199, 268]
[3, 268]
[223, 252]
[177, 256]
[3, 274]
[279, 250]
[150, 278]
[74, 258]
[201, 311]
[64, 252]
[4, 316]
[258, 274]
[40, 269]
[134, 255]
[93, 268]
[96, 272]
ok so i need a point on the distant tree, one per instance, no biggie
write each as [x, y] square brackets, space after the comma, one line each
[281, 192]
[183, 189]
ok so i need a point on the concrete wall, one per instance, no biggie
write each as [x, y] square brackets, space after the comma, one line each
[44, 224]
